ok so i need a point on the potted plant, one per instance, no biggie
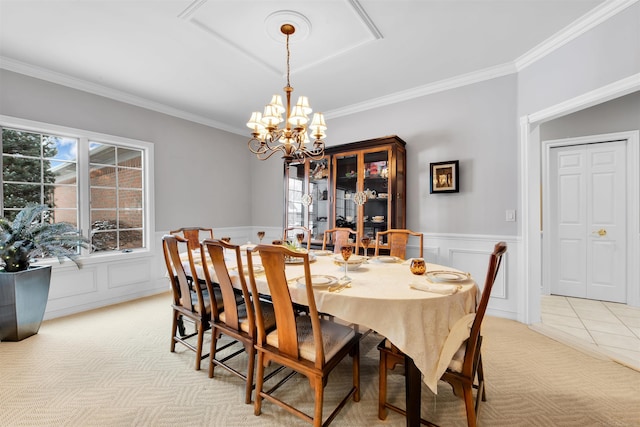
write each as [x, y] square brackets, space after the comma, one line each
[24, 289]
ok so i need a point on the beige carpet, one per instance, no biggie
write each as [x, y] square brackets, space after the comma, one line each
[112, 367]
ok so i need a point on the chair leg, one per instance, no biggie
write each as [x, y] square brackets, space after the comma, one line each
[174, 329]
[199, 344]
[251, 354]
[481, 379]
[469, 405]
[319, 392]
[355, 360]
[382, 387]
[259, 380]
[212, 351]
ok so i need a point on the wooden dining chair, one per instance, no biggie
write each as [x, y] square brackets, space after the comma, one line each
[306, 344]
[194, 235]
[397, 240]
[237, 320]
[291, 232]
[189, 302]
[340, 237]
[466, 364]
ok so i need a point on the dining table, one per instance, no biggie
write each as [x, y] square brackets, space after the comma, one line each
[427, 317]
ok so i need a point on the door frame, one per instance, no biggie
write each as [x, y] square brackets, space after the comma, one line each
[633, 163]
[530, 175]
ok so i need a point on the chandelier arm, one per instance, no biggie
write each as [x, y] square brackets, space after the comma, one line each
[266, 154]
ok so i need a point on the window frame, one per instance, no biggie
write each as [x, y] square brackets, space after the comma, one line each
[84, 209]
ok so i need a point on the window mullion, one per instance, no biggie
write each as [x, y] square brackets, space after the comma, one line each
[84, 195]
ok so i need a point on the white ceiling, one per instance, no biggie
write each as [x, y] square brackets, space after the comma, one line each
[215, 61]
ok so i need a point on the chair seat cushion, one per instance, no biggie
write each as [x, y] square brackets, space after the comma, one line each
[334, 337]
[205, 297]
[268, 316]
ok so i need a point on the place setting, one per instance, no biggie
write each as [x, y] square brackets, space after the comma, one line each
[446, 282]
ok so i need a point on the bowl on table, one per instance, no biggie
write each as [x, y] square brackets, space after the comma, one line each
[355, 261]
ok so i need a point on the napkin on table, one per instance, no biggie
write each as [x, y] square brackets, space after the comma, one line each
[440, 288]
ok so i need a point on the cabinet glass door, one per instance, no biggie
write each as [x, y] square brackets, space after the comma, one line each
[346, 177]
[376, 188]
[296, 210]
[321, 202]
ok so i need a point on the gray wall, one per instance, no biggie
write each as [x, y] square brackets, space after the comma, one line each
[474, 124]
[202, 175]
[602, 55]
[618, 115]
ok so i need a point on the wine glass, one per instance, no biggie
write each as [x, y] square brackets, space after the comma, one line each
[300, 238]
[260, 236]
[346, 252]
[366, 241]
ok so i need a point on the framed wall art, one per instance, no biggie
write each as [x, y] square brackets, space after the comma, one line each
[444, 177]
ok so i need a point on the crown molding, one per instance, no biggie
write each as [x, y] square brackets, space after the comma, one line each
[574, 30]
[96, 89]
[590, 20]
[431, 88]
[605, 93]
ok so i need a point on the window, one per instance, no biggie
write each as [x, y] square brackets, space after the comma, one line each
[115, 176]
[95, 182]
[38, 168]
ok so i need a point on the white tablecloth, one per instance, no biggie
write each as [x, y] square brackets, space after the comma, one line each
[419, 323]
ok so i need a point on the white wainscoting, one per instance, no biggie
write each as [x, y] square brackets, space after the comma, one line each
[110, 279]
[470, 253]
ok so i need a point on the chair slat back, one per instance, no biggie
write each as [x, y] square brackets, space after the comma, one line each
[192, 234]
[472, 351]
[273, 261]
[397, 239]
[214, 250]
[340, 237]
[180, 285]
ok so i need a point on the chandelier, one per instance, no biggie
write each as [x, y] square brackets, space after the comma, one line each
[292, 140]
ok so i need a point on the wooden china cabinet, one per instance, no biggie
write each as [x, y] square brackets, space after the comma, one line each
[360, 185]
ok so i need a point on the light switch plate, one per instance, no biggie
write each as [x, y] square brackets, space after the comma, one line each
[510, 215]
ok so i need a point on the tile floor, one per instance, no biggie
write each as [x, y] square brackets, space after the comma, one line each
[608, 328]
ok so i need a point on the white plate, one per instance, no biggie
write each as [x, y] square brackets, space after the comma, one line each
[319, 252]
[257, 268]
[386, 258]
[447, 276]
[318, 281]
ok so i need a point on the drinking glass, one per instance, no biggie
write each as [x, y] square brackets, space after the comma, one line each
[366, 241]
[300, 238]
[346, 252]
[418, 266]
[260, 236]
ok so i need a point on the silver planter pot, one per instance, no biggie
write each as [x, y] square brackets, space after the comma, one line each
[23, 300]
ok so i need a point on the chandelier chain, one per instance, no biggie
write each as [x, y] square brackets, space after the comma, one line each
[288, 64]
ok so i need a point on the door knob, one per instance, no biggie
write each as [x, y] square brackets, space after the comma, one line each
[602, 232]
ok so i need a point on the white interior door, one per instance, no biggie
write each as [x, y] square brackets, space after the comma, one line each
[587, 185]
